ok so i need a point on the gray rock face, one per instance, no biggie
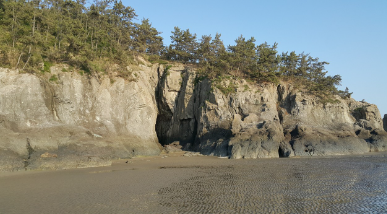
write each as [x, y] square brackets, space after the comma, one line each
[265, 120]
[176, 120]
[85, 121]
[243, 124]
[322, 129]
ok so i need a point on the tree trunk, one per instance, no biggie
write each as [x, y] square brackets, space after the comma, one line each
[48, 28]
[29, 56]
[18, 60]
[33, 27]
[13, 26]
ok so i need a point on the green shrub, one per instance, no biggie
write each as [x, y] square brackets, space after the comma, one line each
[47, 66]
[166, 70]
[85, 67]
[53, 78]
[156, 59]
[226, 90]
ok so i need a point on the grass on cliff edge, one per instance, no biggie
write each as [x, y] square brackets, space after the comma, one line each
[222, 81]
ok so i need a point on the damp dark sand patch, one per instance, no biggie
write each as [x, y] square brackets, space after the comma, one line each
[340, 185]
[348, 184]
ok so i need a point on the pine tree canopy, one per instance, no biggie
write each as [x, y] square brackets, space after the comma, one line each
[34, 33]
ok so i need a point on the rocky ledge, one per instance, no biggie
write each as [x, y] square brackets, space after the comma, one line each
[76, 120]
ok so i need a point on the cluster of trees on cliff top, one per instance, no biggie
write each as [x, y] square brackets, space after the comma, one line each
[39, 32]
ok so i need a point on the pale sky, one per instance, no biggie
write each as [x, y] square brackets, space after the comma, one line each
[349, 34]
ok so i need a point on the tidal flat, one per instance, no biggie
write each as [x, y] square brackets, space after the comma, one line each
[202, 184]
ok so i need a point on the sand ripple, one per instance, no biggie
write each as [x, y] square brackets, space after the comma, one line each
[204, 185]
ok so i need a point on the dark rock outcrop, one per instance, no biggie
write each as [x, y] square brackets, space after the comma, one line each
[267, 120]
[176, 120]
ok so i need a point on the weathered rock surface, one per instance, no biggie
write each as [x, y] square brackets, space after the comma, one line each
[264, 120]
[85, 121]
[88, 120]
[243, 124]
[176, 120]
[385, 122]
[173, 147]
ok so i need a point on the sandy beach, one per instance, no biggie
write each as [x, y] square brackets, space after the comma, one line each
[202, 184]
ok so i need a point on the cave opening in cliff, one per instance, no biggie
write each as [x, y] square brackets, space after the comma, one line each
[282, 153]
[162, 126]
[174, 127]
[180, 132]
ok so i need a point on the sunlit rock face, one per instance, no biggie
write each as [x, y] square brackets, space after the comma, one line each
[83, 120]
[78, 120]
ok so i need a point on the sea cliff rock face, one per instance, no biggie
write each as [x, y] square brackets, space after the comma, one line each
[316, 128]
[243, 124]
[264, 120]
[80, 120]
[175, 96]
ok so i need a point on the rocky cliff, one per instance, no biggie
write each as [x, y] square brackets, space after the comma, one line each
[385, 122]
[262, 120]
[76, 120]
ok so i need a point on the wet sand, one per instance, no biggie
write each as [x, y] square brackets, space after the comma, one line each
[346, 184]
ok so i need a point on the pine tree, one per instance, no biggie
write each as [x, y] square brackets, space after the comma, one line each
[147, 39]
[183, 46]
[243, 58]
[288, 65]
